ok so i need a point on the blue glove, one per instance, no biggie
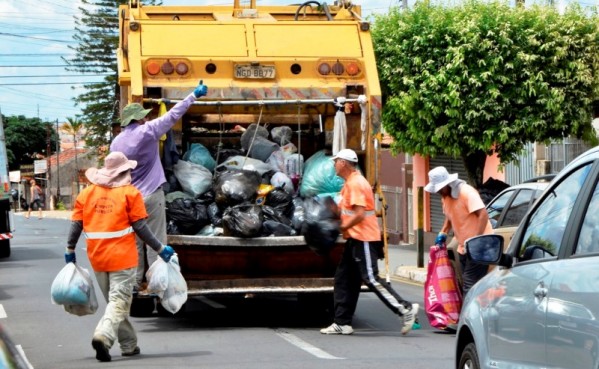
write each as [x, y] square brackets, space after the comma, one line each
[201, 90]
[166, 253]
[441, 238]
[69, 256]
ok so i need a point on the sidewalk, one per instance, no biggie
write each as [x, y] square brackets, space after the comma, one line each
[403, 259]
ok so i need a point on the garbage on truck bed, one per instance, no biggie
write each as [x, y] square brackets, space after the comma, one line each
[264, 190]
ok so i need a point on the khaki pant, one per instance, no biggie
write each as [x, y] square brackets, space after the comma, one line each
[155, 206]
[117, 288]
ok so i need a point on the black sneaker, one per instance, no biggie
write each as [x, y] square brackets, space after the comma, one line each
[102, 353]
[135, 351]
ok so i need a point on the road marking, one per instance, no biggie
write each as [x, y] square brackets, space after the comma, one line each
[20, 349]
[2, 312]
[298, 342]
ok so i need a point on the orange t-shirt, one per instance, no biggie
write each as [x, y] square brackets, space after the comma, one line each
[460, 213]
[357, 191]
[104, 209]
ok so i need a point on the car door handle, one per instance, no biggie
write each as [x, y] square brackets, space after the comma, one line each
[540, 291]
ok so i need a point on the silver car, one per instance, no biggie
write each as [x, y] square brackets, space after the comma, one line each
[540, 307]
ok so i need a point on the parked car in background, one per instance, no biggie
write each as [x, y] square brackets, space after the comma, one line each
[540, 307]
[506, 210]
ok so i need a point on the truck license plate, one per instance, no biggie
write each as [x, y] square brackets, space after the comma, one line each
[251, 71]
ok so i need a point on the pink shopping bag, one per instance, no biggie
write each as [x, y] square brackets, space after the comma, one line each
[442, 295]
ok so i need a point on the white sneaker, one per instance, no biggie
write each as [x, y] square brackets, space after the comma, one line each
[409, 317]
[337, 329]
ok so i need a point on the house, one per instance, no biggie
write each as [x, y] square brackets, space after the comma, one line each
[65, 171]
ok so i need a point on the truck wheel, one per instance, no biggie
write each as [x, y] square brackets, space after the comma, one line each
[320, 303]
[4, 248]
[142, 307]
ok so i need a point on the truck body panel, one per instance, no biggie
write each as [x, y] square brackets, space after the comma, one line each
[265, 65]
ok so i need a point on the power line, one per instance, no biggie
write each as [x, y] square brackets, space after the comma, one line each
[51, 83]
[61, 75]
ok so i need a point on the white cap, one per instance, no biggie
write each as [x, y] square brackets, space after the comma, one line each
[438, 178]
[347, 154]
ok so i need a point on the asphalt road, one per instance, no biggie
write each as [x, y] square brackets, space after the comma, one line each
[212, 333]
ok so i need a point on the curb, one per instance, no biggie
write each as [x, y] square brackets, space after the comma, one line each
[411, 273]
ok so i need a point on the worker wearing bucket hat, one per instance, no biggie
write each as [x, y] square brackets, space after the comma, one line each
[359, 262]
[139, 140]
[465, 214]
[110, 213]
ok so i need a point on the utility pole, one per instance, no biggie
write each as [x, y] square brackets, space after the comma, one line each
[57, 164]
[49, 160]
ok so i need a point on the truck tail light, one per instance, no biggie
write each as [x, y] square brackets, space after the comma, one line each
[167, 68]
[352, 69]
[324, 69]
[153, 68]
[181, 68]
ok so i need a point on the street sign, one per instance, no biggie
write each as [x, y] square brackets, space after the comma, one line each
[26, 170]
[40, 166]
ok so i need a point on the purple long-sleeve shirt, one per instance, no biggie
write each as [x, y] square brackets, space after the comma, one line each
[140, 142]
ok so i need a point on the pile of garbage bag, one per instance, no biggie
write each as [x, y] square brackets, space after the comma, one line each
[264, 189]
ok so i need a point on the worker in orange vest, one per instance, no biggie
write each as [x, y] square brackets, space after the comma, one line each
[110, 213]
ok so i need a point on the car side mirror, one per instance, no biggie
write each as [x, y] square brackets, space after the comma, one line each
[486, 249]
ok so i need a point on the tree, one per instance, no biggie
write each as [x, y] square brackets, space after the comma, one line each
[74, 127]
[26, 139]
[97, 36]
[477, 78]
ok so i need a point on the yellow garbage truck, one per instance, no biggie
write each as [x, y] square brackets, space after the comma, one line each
[309, 67]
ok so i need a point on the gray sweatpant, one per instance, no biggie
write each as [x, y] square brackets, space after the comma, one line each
[156, 208]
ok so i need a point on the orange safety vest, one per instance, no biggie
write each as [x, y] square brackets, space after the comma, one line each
[357, 191]
[107, 215]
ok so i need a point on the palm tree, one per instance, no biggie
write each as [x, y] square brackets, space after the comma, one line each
[74, 127]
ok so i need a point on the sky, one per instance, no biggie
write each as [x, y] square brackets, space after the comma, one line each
[35, 34]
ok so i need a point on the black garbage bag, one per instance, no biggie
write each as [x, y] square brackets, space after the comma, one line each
[275, 214]
[206, 198]
[172, 184]
[491, 188]
[235, 186]
[171, 228]
[321, 227]
[281, 200]
[298, 216]
[273, 228]
[188, 215]
[243, 220]
[215, 215]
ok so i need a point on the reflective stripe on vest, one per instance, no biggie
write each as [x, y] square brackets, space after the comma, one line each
[104, 235]
[351, 212]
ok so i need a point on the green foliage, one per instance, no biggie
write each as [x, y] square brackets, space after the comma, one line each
[482, 76]
[26, 138]
[97, 37]
[60, 206]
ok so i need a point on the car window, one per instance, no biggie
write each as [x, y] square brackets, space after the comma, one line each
[546, 226]
[518, 208]
[496, 207]
[588, 241]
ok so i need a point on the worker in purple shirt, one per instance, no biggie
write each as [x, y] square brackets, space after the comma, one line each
[139, 141]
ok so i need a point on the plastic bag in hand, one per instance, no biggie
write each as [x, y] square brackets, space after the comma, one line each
[166, 281]
[74, 288]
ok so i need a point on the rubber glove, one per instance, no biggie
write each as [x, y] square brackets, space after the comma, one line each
[201, 90]
[69, 256]
[441, 238]
[166, 253]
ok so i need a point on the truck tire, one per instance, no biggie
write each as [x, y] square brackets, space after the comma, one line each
[142, 307]
[4, 248]
[317, 304]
